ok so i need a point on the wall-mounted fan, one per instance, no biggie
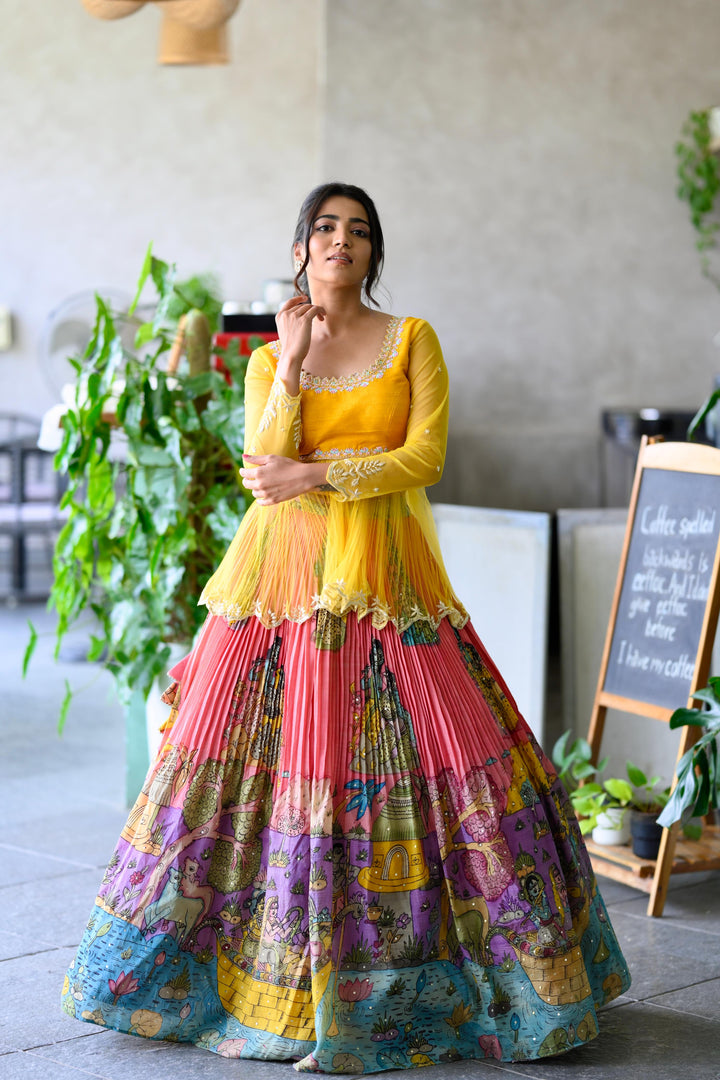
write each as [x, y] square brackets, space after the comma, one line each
[68, 329]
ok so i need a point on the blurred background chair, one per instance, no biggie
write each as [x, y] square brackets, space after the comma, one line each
[30, 517]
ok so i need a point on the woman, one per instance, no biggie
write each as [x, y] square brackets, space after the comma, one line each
[351, 852]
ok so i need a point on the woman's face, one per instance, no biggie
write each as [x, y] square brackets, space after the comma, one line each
[339, 244]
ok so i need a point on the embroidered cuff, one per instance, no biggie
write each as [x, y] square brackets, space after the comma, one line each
[347, 476]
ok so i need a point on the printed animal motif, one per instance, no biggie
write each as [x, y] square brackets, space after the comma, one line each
[468, 930]
[173, 906]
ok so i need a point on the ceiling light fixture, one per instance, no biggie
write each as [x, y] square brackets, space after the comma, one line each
[192, 31]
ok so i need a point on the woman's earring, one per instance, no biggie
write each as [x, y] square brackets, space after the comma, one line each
[298, 265]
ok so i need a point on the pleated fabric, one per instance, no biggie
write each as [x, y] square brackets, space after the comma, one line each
[350, 853]
[377, 557]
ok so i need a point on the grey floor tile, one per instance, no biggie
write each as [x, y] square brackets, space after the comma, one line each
[636, 1041]
[703, 999]
[663, 956]
[13, 945]
[614, 892]
[125, 1057]
[24, 1066]
[89, 838]
[688, 903]
[470, 1069]
[202, 1065]
[22, 866]
[73, 792]
[53, 912]
[30, 992]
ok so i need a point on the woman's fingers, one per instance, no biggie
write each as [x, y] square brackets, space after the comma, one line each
[302, 307]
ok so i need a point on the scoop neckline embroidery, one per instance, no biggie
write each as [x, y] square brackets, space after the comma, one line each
[383, 361]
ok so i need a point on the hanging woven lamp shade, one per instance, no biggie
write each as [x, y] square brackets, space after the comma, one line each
[180, 44]
[112, 9]
[199, 14]
[191, 31]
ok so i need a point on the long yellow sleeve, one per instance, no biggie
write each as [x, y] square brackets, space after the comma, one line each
[419, 461]
[273, 422]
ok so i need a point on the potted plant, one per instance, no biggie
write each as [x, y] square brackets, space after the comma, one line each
[601, 807]
[153, 496]
[647, 803]
[697, 789]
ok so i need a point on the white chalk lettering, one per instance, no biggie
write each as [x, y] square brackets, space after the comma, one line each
[660, 524]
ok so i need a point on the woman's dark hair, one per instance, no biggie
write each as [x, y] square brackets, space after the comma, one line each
[306, 218]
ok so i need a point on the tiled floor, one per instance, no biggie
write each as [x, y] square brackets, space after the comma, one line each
[61, 809]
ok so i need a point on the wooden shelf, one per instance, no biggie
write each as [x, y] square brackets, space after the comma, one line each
[690, 856]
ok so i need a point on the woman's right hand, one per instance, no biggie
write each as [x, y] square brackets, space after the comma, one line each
[294, 324]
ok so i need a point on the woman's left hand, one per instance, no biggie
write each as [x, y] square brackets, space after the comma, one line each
[274, 479]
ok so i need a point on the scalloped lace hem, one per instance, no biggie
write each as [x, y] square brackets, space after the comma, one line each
[333, 600]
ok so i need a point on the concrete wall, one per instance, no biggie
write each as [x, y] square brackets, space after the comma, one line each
[521, 154]
[104, 150]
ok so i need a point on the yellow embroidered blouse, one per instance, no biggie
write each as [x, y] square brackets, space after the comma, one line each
[370, 545]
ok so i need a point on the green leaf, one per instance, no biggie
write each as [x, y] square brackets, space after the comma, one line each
[619, 789]
[144, 273]
[30, 648]
[64, 708]
[636, 776]
[145, 333]
[97, 647]
[688, 718]
[702, 414]
[702, 798]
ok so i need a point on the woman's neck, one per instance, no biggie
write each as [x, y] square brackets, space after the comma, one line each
[344, 309]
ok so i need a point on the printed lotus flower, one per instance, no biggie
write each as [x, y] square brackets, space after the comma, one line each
[124, 984]
[355, 990]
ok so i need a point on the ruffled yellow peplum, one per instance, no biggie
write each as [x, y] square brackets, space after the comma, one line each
[376, 557]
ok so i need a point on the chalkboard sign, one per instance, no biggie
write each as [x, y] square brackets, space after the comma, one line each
[665, 588]
[662, 624]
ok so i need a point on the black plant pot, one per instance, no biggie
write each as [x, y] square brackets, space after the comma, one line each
[646, 835]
